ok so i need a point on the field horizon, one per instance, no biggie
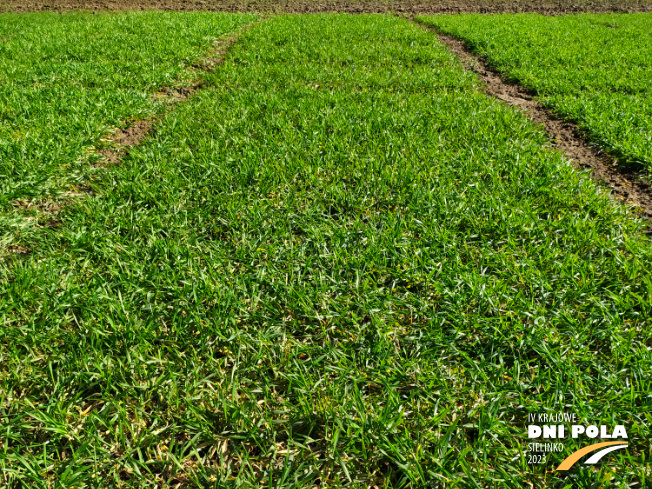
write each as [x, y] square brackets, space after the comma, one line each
[405, 7]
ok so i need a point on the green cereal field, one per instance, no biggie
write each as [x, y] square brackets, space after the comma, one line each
[329, 259]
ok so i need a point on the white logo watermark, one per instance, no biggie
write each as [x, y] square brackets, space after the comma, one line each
[550, 431]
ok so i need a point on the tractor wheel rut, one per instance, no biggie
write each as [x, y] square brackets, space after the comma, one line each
[625, 184]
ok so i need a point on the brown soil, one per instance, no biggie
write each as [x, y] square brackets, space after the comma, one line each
[174, 95]
[122, 138]
[549, 7]
[624, 184]
[132, 134]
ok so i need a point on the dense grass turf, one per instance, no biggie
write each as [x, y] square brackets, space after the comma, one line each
[65, 80]
[341, 263]
[594, 69]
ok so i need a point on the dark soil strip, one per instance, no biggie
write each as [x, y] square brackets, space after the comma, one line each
[548, 7]
[566, 137]
[124, 138]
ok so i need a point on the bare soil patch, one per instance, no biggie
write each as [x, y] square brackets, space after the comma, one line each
[132, 134]
[313, 6]
[624, 183]
[122, 138]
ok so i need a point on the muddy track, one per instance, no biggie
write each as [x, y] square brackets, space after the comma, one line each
[549, 7]
[625, 184]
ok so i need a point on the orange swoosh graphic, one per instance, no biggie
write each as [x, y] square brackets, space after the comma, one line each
[575, 456]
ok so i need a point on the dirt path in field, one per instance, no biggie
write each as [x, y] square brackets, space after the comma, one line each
[116, 144]
[121, 140]
[625, 184]
[549, 7]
